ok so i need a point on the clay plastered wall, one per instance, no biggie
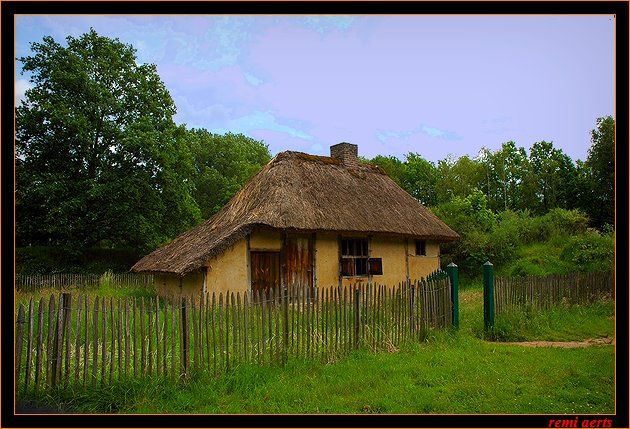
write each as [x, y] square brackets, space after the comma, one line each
[229, 270]
[421, 266]
[169, 284]
[326, 260]
[392, 251]
[265, 240]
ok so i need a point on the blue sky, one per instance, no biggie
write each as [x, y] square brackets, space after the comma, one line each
[392, 84]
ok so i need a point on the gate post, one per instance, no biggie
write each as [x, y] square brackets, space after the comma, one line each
[488, 295]
[453, 274]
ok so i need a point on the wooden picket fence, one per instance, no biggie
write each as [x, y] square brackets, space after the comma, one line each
[85, 342]
[544, 292]
[36, 282]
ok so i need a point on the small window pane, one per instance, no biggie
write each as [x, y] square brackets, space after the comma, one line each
[361, 267]
[376, 266]
[347, 266]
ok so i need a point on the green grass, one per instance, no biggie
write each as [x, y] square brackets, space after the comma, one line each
[561, 323]
[453, 372]
[103, 291]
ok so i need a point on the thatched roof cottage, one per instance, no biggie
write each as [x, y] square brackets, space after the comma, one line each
[305, 221]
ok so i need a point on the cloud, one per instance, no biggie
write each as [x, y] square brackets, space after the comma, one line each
[260, 121]
[229, 36]
[317, 148]
[433, 132]
[253, 79]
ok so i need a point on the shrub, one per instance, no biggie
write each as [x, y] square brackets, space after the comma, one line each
[50, 260]
[506, 236]
[566, 222]
[591, 251]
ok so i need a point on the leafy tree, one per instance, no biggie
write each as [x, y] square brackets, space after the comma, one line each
[458, 177]
[222, 164]
[582, 189]
[99, 160]
[601, 164]
[553, 170]
[474, 222]
[420, 179]
[505, 171]
[394, 167]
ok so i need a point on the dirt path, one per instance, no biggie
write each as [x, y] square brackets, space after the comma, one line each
[564, 344]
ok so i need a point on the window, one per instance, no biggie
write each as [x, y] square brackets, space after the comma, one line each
[421, 247]
[354, 257]
[376, 266]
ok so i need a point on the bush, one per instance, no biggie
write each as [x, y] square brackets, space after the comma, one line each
[541, 265]
[506, 236]
[590, 252]
[50, 260]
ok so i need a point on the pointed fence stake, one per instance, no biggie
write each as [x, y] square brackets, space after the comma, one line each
[488, 295]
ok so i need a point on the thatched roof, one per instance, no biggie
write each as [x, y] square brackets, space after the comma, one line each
[300, 192]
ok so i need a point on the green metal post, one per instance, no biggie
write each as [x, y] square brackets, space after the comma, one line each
[488, 295]
[453, 274]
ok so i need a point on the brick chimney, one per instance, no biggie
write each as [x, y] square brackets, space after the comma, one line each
[347, 153]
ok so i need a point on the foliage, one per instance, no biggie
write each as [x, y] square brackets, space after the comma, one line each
[458, 177]
[50, 260]
[473, 221]
[552, 169]
[591, 251]
[420, 179]
[394, 167]
[505, 176]
[99, 160]
[222, 165]
[601, 165]
[518, 243]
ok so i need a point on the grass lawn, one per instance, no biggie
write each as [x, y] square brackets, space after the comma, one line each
[456, 372]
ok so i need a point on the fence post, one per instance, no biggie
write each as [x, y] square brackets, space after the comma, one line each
[285, 323]
[19, 335]
[357, 316]
[488, 295]
[184, 336]
[453, 274]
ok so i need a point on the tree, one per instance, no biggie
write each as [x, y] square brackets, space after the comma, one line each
[392, 166]
[459, 177]
[554, 171]
[504, 175]
[99, 160]
[601, 164]
[222, 164]
[420, 179]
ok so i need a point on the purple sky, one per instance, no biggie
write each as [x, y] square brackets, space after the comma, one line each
[434, 85]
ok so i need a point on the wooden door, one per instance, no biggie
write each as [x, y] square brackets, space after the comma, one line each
[265, 271]
[298, 265]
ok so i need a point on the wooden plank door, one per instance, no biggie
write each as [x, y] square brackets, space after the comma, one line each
[298, 265]
[265, 271]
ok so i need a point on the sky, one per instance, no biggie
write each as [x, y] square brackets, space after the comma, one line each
[435, 85]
